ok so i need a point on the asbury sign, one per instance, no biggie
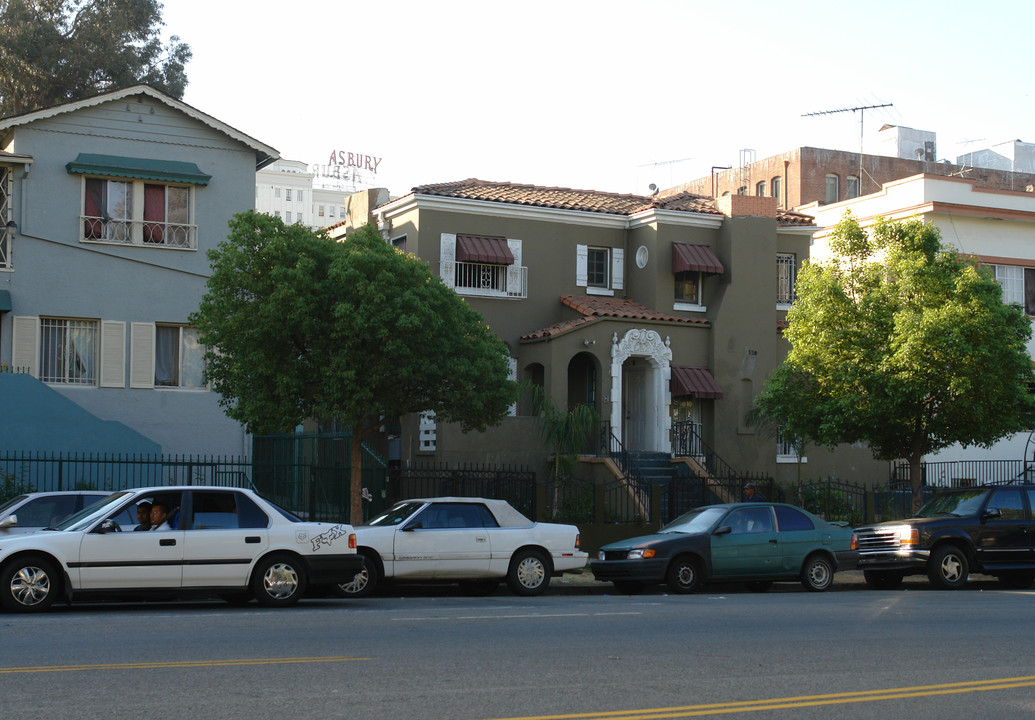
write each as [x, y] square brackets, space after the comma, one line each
[340, 158]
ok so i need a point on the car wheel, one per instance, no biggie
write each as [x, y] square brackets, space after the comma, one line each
[362, 584]
[759, 586]
[479, 588]
[628, 587]
[883, 579]
[684, 575]
[28, 584]
[278, 581]
[817, 574]
[1017, 581]
[529, 573]
[948, 568]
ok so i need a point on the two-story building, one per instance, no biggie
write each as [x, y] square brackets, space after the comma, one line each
[108, 206]
[660, 312]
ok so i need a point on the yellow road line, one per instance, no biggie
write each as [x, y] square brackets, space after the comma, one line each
[796, 702]
[176, 664]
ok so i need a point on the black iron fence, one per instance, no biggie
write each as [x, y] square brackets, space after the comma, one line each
[515, 485]
[965, 473]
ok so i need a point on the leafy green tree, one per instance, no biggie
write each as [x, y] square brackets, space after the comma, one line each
[56, 51]
[565, 432]
[298, 326]
[901, 343]
[786, 409]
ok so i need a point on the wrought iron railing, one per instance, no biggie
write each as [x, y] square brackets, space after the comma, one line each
[146, 233]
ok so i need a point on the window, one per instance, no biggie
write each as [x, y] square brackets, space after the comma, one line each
[1009, 503]
[112, 212]
[482, 265]
[788, 519]
[287, 217]
[596, 268]
[1011, 279]
[785, 276]
[833, 189]
[5, 215]
[287, 195]
[320, 210]
[108, 210]
[68, 351]
[276, 192]
[742, 190]
[851, 187]
[399, 243]
[688, 287]
[428, 432]
[300, 196]
[777, 192]
[760, 189]
[750, 520]
[330, 211]
[786, 452]
[600, 270]
[179, 357]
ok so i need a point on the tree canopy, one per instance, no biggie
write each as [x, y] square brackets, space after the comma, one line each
[57, 51]
[298, 326]
[902, 343]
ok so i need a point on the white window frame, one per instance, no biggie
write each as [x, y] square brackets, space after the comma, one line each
[776, 189]
[1011, 280]
[614, 265]
[493, 280]
[760, 188]
[125, 223]
[785, 451]
[65, 329]
[185, 334]
[832, 181]
[695, 305]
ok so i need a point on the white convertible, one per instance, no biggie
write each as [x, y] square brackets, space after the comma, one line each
[473, 541]
[218, 541]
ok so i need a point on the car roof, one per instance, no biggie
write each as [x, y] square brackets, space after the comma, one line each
[502, 510]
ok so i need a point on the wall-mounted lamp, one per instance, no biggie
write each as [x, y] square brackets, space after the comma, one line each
[587, 343]
[12, 228]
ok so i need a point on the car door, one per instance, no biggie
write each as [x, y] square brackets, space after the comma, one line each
[226, 531]
[132, 560]
[750, 548]
[796, 535]
[1004, 540]
[444, 540]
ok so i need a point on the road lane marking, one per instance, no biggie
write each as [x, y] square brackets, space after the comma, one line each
[513, 617]
[244, 662]
[795, 702]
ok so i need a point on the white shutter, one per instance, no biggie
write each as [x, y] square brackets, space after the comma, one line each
[113, 354]
[582, 265]
[25, 345]
[512, 375]
[514, 288]
[142, 355]
[617, 269]
[447, 260]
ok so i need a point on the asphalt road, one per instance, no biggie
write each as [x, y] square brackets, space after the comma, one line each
[589, 653]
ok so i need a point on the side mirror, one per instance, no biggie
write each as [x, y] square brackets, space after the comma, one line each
[9, 521]
[724, 530]
[992, 514]
[108, 526]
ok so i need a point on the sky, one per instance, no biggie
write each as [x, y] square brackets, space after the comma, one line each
[602, 95]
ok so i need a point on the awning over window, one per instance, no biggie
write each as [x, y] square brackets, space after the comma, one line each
[694, 382]
[483, 249]
[5, 301]
[138, 168]
[696, 258]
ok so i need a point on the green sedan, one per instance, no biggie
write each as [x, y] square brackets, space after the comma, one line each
[756, 543]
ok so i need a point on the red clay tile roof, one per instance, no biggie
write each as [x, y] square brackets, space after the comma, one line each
[594, 308]
[790, 217]
[566, 198]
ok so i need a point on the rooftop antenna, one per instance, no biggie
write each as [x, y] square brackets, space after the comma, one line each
[967, 143]
[861, 109]
[670, 163]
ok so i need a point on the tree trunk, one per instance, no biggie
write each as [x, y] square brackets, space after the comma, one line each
[916, 479]
[356, 478]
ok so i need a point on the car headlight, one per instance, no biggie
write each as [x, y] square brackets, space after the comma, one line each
[640, 553]
[907, 535]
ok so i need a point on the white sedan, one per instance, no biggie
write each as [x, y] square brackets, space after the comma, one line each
[473, 541]
[217, 541]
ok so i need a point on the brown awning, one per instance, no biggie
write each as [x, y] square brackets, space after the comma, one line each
[483, 249]
[697, 258]
[695, 382]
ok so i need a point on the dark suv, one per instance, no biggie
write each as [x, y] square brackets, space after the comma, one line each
[981, 529]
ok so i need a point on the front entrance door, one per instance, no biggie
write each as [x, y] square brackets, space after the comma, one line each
[634, 394]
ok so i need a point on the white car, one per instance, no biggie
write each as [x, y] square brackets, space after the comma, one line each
[32, 511]
[219, 541]
[473, 541]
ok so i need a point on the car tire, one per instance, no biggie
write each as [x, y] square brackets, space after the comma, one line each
[948, 568]
[759, 586]
[1017, 581]
[479, 588]
[684, 575]
[363, 584]
[817, 574]
[628, 587]
[529, 573]
[278, 580]
[29, 584]
[883, 579]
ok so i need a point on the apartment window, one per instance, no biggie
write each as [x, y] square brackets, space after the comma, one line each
[276, 192]
[276, 213]
[688, 287]
[399, 243]
[785, 276]
[596, 267]
[742, 190]
[287, 195]
[330, 211]
[320, 210]
[777, 188]
[112, 212]
[600, 270]
[760, 189]
[108, 210]
[68, 351]
[851, 187]
[287, 217]
[301, 197]
[5, 215]
[785, 448]
[1018, 285]
[483, 265]
[833, 189]
[179, 357]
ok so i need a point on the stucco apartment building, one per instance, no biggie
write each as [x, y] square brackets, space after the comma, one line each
[108, 206]
[656, 311]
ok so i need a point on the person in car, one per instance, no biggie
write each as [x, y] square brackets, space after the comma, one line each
[159, 515]
[143, 516]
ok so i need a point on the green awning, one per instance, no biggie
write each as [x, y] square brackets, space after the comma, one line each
[138, 168]
[5, 301]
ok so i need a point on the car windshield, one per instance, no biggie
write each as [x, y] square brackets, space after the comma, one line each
[10, 504]
[957, 504]
[695, 521]
[77, 520]
[395, 514]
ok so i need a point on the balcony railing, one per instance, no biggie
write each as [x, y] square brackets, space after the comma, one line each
[491, 280]
[147, 233]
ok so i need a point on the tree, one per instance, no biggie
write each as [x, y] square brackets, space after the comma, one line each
[57, 51]
[298, 326]
[903, 344]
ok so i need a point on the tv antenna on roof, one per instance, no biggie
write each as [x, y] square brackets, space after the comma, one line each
[859, 109]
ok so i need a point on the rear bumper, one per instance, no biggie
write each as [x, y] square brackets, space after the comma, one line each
[327, 569]
[564, 562]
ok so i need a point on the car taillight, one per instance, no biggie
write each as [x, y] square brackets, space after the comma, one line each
[352, 540]
[577, 536]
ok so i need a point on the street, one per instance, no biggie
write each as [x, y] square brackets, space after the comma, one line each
[850, 653]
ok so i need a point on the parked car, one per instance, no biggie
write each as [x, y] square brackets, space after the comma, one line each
[220, 541]
[31, 511]
[981, 529]
[758, 543]
[472, 541]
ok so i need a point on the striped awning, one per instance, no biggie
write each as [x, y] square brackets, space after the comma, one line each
[697, 258]
[483, 249]
[694, 382]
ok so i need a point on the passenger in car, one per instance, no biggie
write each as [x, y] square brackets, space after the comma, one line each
[143, 516]
[159, 515]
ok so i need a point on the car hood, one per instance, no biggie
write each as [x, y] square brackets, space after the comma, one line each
[642, 540]
[921, 522]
